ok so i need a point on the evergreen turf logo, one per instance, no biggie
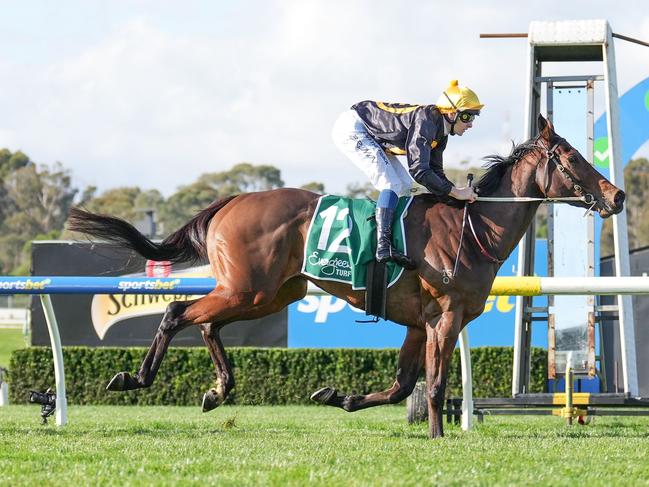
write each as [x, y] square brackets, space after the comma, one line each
[331, 266]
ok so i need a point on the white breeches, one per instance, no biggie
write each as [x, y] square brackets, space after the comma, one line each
[383, 170]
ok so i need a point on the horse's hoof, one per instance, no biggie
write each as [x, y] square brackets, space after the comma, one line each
[122, 382]
[324, 395]
[211, 400]
[350, 403]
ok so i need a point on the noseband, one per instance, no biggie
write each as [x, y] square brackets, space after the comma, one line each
[551, 155]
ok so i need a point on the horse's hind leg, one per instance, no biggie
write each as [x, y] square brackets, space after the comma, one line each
[411, 357]
[291, 291]
[220, 307]
[172, 322]
[224, 377]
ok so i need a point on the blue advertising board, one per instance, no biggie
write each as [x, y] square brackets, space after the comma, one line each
[329, 322]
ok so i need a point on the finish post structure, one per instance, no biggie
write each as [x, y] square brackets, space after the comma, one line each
[575, 41]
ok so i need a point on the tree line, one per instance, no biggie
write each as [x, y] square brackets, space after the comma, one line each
[35, 200]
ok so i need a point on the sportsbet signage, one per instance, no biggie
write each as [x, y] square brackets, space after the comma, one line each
[107, 310]
[326, 321]
[157, 285]
[25, 285]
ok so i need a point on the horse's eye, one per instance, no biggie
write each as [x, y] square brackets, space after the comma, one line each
[572, 159]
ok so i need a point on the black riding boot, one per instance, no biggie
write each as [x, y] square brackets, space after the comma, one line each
[384, 249]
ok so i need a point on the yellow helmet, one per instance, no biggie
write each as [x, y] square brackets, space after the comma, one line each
[458, 99]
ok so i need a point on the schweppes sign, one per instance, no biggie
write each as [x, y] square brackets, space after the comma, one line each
[109, 309]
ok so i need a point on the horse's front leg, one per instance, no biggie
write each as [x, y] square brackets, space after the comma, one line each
[411, 357]
[440, 342]
[172, 322]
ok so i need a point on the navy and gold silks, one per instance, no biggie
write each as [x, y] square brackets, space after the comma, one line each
[414, 130]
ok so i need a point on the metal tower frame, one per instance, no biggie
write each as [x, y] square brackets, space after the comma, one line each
[575, 41]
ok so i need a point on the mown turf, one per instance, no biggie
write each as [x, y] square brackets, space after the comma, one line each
[296, 445]
[10, 339]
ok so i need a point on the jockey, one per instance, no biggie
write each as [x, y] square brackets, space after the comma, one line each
[372, 133]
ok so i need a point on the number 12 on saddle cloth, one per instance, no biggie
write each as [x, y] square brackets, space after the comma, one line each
[342, 240]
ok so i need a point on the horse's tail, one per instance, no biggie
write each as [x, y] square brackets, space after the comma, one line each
[185, 244]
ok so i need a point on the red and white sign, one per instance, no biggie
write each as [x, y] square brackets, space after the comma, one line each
[155, 268]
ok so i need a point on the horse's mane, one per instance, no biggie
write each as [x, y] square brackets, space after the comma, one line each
[497, 166]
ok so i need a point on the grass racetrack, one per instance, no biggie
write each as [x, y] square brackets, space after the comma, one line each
[10, 339]
[299, 445]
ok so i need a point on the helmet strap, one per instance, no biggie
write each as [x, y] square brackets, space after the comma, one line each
[450, 101]
[451, 122]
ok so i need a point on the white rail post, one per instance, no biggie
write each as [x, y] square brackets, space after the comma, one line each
[4, 390]
[467, 381]
[57, 353]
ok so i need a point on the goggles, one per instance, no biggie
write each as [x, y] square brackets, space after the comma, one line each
[466, 117]
[463, 116]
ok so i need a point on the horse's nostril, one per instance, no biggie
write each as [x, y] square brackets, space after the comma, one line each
[619, 198]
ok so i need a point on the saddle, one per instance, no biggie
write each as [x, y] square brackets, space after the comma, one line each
[341, 244]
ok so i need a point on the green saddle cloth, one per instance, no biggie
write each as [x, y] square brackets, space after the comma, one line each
[341, 241]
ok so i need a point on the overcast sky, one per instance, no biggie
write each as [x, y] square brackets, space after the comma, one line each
[155, 93]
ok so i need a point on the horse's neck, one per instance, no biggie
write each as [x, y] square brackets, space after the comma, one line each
[509, 221]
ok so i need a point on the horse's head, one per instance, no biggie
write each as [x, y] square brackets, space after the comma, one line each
[564, 172]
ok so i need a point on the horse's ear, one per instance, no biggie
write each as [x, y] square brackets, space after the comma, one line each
[545, 128]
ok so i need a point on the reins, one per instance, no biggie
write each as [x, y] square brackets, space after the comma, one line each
[459, 247]
[527, 199]
[484, 251]
[467, 217]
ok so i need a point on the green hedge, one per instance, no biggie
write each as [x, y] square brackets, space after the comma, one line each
[263, 376]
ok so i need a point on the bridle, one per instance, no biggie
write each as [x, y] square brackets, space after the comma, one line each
[551, 156]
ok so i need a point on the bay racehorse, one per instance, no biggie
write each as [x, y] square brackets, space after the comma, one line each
[255, 246]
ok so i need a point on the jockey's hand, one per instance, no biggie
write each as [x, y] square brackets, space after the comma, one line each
[465, 193]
